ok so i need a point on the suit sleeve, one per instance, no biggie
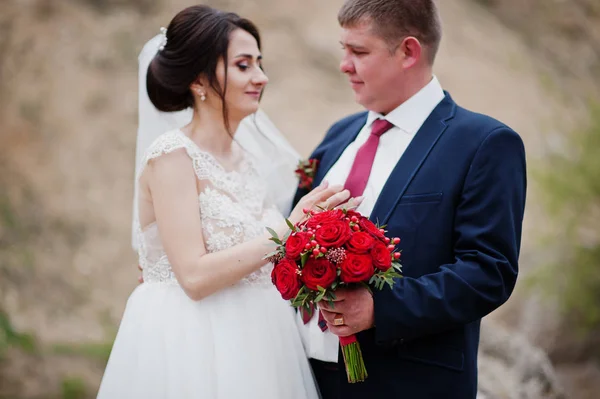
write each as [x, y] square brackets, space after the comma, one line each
[487, 238]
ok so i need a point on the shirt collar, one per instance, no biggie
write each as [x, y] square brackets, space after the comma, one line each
[411, 114]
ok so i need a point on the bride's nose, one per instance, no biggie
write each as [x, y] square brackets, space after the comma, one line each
[260, 78]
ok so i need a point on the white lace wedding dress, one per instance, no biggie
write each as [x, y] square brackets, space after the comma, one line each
[241, 342]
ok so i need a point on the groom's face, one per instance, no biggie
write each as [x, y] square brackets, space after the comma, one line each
[375, 72]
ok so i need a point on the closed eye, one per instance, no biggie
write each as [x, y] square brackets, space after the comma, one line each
[356, 50]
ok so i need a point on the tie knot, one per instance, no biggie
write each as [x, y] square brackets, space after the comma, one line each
[380, 126]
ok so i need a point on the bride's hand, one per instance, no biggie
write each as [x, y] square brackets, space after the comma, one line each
[326, 197]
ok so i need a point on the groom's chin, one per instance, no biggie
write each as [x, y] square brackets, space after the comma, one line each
[360, 99]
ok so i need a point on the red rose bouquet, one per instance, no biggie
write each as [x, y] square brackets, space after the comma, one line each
[331, 249]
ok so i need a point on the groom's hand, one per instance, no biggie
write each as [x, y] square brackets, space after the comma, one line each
[354, 306]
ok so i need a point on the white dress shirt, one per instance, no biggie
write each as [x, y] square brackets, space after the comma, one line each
[407, 119]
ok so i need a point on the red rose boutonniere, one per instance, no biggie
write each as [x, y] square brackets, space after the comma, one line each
[306, 171]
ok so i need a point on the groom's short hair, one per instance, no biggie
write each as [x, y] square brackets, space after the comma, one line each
[394, 20]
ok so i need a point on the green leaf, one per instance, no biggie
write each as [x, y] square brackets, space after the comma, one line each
[299, 300]
[320, 296]
[331, 303]
[304, 258]
[273, 233]
[330, 297]
[276, 240]
[290, 225]
[287, 235]
[308, 298]
[301, 291]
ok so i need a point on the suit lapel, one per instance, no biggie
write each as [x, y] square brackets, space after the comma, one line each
[347, 136]
[412, 160]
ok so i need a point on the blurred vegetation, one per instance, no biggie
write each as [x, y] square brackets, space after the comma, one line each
[15, 232]
[567, 33]
[9, 337]
[99, 351]
[74, 388]
[26, 228]
[571, 179]
[13, 340]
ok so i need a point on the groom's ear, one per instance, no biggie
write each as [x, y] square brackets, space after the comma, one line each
[409, 51]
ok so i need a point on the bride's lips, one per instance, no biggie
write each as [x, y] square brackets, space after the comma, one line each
[254, 94]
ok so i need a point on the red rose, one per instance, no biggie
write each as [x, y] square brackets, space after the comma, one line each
[356, 268]
[295, 244]
[382, 258]
[333, 234]
[360, 242]
[370, 227]
[318, 273]
[324, 217]
[286, 279]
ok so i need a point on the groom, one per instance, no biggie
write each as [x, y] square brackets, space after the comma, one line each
[449, 182]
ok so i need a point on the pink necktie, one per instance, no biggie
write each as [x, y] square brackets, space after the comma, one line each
[361, 168]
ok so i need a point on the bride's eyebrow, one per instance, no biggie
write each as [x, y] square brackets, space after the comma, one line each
[249, 56]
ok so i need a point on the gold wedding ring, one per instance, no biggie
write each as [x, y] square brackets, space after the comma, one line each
[338, 320]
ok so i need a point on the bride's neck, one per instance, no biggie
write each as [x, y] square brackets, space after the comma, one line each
[207, 129]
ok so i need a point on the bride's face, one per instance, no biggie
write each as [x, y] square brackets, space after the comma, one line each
[245, 77]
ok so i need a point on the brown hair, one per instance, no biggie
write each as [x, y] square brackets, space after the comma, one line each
[395, 19]
[197, 38]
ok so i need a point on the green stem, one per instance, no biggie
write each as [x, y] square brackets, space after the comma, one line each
[354, 362]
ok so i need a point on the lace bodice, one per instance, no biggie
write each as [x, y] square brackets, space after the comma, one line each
[233, 209]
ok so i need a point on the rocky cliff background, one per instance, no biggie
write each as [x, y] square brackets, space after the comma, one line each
[68, 110]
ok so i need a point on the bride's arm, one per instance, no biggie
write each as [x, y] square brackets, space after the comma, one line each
[172, 184]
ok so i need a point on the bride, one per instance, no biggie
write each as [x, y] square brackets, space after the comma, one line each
[207, 322]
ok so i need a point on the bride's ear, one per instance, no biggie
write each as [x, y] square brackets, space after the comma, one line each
[199, 88]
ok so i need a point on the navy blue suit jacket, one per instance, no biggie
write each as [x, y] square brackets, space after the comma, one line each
[456, 199]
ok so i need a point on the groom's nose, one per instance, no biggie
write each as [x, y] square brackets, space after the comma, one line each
[347, 66]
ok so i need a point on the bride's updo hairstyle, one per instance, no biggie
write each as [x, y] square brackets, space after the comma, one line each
[196, 39]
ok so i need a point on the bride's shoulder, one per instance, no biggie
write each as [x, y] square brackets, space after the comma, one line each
[166, 143]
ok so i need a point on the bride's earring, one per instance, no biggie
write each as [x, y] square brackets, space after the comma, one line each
[202, 96]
